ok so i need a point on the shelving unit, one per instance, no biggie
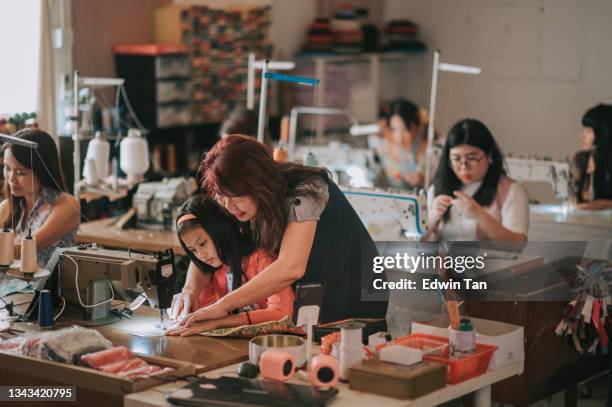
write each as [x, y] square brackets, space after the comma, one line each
[373, 59]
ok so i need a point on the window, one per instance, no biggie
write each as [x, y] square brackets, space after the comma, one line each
[20, 44]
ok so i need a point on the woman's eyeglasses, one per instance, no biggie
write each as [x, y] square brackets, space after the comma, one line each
[468, 161]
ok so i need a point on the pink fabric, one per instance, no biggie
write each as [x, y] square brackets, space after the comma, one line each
[273, 308]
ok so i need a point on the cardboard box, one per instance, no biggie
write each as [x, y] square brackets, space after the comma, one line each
[91, 379]
[510, 339]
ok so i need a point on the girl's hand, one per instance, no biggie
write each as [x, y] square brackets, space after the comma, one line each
[440, 205]
[183, 303]
[212, 312]
[468, 205]
[192, 330]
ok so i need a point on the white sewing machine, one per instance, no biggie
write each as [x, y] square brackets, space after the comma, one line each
[351, 167]
[390, 216]
[556, 173]
[157, 203]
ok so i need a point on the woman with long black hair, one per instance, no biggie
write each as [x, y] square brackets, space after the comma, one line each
[594, 162]
[471, 197]
[36, 197]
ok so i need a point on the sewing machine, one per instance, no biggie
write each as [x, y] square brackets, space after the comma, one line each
[350, 167]
[556, 173]
[389, 216]
[156, 203]
[88, 278]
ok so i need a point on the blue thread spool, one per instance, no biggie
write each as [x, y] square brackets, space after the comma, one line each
[45, 309]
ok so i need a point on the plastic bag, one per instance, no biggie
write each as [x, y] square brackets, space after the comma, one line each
[67, 345]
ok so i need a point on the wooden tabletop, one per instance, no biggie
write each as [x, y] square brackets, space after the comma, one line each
[208, 353]
[479, 385]
[104, 232]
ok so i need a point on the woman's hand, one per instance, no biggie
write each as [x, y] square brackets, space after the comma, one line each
[183, 303]
[468, 205]
[192, 330]
[212, 312]
[440, 205]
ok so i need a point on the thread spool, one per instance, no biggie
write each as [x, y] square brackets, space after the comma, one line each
[325, 371]
[276, 364]
[134, 156]
[29, 263]
[45, 309]
[98, 150]
[351, 348]
[7, 247]
[91, 172]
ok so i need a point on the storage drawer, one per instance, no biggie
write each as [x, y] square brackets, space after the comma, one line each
[173, 115]
[173, 91]
[172, 66]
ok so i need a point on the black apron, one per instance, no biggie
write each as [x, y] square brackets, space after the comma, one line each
[341, 247]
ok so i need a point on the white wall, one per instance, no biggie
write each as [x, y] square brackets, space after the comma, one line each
[545, 62]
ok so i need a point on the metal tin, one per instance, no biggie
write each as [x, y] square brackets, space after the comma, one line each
[292, 344]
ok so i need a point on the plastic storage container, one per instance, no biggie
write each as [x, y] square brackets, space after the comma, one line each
[436, 349]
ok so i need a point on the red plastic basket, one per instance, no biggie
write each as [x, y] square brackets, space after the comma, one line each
[457, 370]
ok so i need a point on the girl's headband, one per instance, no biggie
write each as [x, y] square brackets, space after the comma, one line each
[185, 218]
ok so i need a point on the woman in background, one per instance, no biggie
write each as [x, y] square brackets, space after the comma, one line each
[222, 259]
[403, 150]
[594, 161]
[471, 197]
[36, 197]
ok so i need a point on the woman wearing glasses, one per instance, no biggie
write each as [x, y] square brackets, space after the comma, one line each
[471, 197]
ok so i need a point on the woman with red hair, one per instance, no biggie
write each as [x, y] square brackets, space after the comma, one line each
[300, 213]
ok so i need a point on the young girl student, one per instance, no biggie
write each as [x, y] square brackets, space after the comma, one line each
[471, 197]
[222, 259]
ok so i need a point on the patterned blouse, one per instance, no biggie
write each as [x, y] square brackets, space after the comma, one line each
[37, 217]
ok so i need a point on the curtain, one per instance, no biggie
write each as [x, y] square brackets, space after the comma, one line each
[46, 84]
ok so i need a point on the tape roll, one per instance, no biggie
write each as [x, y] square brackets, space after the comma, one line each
[7, 247]
[325, 371]
[276, 364]
[29, 263]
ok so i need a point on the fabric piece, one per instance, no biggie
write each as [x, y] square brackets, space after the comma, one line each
[10, 285]
[284, 326]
